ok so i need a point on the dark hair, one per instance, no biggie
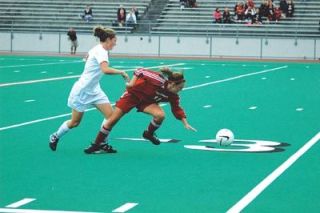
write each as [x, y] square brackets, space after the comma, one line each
[103, 33]
[176, 77]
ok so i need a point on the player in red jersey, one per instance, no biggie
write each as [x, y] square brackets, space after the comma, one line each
[145, 91]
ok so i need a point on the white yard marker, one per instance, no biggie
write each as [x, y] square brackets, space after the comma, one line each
[253, 107]
[125, 207]
[30, 100]
[248, 198]
[207, 106]
[299, 109]
[20, 203]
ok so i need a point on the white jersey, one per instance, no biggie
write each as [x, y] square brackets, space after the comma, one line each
[87, 91]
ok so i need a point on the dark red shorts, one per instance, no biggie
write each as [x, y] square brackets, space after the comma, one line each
[129, 101]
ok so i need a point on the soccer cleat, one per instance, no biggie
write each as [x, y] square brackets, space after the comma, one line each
[151, 137]
[53, 142]
[99, 148]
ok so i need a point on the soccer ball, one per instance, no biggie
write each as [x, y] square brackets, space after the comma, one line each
[224, 137]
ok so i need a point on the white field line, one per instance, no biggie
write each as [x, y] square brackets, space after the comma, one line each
[187, 88]
[248, 198]
[72, 76]
[4, 210]
[125, 207]
[42, 64]
[20, 203]
[235, 77]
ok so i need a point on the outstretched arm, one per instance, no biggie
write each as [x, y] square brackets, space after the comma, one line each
[112, 71]
[187, 125]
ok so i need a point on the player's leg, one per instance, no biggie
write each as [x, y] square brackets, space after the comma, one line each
[64, 128]
[158, 116]
[100, 144]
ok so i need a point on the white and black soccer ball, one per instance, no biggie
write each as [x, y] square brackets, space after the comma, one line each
[224, 137]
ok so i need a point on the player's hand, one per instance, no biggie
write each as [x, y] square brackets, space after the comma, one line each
[189, 127]
[125, 76]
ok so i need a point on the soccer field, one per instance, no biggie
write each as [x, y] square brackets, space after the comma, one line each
[273, 109]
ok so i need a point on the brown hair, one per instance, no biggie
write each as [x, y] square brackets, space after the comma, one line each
[176, 77]
[103, 33]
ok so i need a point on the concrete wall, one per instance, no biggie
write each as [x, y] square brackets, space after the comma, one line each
[149, 45]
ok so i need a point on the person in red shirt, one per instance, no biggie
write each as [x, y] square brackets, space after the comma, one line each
[145, 91]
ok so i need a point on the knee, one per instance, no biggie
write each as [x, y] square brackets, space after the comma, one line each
[159, 116]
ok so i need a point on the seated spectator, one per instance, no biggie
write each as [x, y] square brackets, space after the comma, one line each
[270, 10]
[290, 8]
[249, 3]
[239, 11]
[264, 9]
[226, 17]
[192, 3]
[87, 14]
[250, 13]
[121, 16]
[217, 17]
[284, 7]
[131, 19]
[257, 19]
[136, 12]
[277, 14]
[183, 4]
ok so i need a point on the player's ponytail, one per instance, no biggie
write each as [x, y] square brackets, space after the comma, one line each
[176, 77]
[103, 33]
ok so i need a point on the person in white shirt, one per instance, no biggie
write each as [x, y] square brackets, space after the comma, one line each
[86, 92]
[131, 19]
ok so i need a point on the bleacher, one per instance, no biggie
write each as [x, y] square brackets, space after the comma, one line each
[60, 15]
[193, 21]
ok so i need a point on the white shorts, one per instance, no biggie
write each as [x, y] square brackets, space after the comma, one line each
[80, 100]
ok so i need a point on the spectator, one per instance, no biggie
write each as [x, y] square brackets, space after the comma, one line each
[284, 7]
[270, 10]
[264, 9]
[121, 16]
[249, 3]
[72, 34]
[277, 14]
[192, 3]
[217, 17]
[239, 11]
[257, 19]
[136, 12]
[87, 14]
[131, 19]
[290, 8]
[250, 13]
[226, 17]
[183, 4]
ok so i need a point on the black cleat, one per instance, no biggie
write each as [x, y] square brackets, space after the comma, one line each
[53, 142]
[151, 137]
[99, 149]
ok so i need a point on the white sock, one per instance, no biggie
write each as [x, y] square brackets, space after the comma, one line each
[103, 122]
[63, 129]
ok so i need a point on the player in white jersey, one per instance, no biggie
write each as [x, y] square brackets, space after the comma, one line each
[86, 92]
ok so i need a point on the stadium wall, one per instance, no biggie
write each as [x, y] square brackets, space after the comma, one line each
[177, 46]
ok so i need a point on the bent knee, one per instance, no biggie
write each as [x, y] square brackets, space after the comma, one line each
[159, 116]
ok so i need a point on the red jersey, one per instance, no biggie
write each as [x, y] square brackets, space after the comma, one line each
[149, 88]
